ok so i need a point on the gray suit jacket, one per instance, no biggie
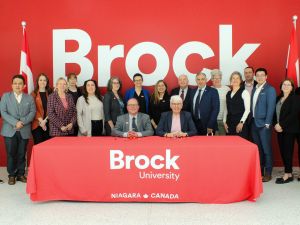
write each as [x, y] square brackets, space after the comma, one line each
[143, 125]
[12, 112]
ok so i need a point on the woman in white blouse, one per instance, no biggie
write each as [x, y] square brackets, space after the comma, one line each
[237, 107]
[90, 114]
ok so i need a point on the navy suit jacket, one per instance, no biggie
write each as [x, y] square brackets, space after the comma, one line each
[187, 99]
[186, 122]
[265, 106]
[209, 107]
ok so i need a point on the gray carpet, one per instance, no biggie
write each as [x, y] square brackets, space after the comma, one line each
[279, 205]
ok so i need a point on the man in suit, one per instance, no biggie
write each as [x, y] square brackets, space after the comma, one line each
[249, 82]
[17, 110]
[263, 103]
[133, 124]
[205, 106]
[183, 91]
[176, 123]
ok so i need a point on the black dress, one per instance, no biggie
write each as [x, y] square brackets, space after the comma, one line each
[156, 109]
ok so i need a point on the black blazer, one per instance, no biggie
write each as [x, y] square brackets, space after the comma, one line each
[155, 110]
[165, 124]
[112, 108]
[289, 119]
[187, 100]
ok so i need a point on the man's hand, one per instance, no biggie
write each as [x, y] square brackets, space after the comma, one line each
[19, 125]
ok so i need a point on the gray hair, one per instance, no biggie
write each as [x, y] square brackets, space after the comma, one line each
[215, 72]
[200, 73]
[176, 98]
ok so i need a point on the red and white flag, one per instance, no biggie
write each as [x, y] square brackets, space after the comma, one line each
[25, 64]
[293, 57]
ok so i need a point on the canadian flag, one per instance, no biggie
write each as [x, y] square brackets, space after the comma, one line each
[293, 58]
[25, 64]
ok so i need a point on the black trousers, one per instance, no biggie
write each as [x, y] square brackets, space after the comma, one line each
[232, 129]
[16, 148]
[97, 127]
[107, 129]
[39, 135]
[298, 141]
[202, 130]
[286, 143]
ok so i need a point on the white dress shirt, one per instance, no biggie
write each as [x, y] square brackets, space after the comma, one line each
[18, 97]
[255, 96]
[247, 105]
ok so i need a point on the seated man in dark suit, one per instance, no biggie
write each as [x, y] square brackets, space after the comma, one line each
[176, 123]
[183, 91]
[133, 124]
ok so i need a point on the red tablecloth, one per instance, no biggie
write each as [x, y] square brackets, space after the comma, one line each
[194, 169]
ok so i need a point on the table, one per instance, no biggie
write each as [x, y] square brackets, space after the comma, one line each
[215, 169]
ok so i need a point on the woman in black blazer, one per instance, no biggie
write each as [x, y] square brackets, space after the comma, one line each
[159, 102]
[113, 104]
[287, 126]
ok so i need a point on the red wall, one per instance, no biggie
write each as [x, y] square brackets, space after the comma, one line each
[169, 24]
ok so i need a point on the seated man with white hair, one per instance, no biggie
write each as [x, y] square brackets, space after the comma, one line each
[176, 123]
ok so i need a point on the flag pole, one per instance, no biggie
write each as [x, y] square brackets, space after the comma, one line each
[295, 17]
[23, 23]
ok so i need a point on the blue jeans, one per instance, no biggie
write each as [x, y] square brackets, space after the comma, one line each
[262, 138]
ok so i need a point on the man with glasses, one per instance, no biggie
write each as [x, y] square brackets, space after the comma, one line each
[133, 124]
[263, 102]
[176, 123]
[138, 92]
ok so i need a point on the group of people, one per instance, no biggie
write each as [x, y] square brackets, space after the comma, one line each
[247, 108]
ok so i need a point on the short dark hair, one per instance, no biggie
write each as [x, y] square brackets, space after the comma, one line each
[70, 75]
[18, 76]
[261, 70]
[137, 75]
[250, 67]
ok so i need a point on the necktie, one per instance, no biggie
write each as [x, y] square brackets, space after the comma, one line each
[182, 95]
[134, 126]
[197, 105]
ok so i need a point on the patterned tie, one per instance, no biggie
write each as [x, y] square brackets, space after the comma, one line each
[197, 105]
[134, 126]
[182, 95]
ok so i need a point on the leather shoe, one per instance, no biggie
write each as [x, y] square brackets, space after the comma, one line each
[1, 181]
[266, 178]
[282, 181]
[11, 180]
[298, 178]
[22, 179]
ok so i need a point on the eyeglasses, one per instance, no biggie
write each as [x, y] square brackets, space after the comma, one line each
[116, 82]
[140, 80]
[287, 85]
[132, 105]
